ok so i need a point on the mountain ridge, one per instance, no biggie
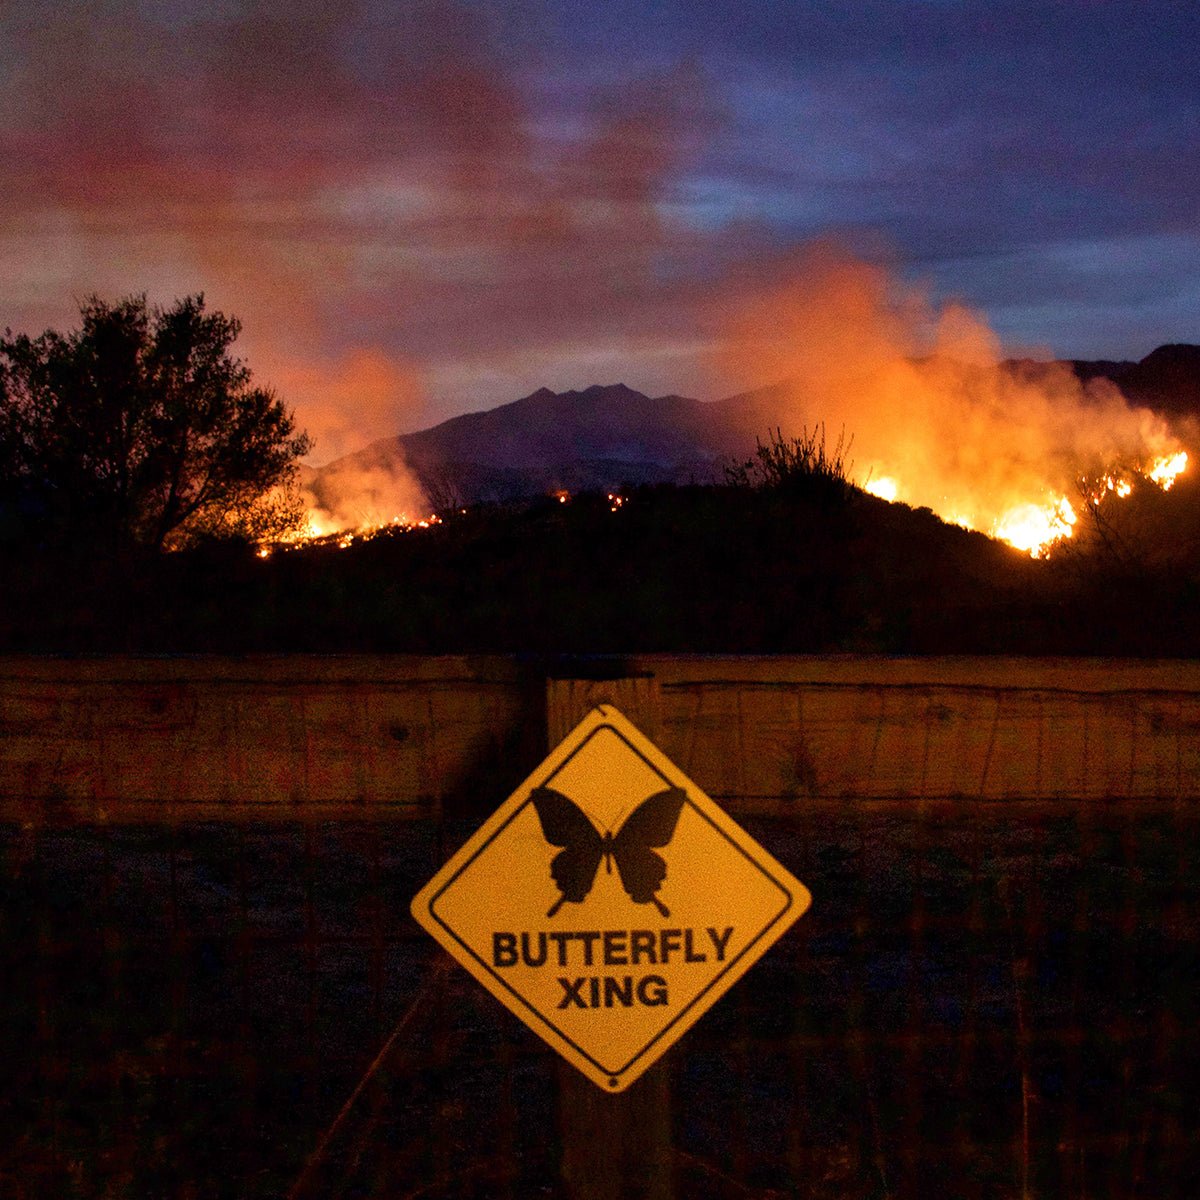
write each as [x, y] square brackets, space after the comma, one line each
[607, 436]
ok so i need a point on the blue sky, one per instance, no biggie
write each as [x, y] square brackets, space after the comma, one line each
[426, 208]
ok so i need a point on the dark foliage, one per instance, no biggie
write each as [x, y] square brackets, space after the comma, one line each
[672, 570]
[141, 430]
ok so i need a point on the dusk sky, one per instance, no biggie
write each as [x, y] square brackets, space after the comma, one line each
[423, 209]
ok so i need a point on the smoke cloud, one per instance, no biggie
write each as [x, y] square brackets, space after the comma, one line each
[353, 494]
[363, 185]
[925, 395]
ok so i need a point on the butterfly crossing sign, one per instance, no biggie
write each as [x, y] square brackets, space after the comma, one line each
[608, 902]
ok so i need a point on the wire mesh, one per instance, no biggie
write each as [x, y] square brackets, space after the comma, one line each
[985, 1000]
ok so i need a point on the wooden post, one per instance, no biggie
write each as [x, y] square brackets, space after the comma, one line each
[614, 1146]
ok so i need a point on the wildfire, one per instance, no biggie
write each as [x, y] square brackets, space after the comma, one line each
[318, 532]
[1166, 471]
[1036, 526]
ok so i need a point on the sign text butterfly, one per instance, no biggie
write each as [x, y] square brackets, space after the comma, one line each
[609, 948]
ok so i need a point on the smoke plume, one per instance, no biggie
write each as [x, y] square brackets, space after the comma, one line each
[926, 396]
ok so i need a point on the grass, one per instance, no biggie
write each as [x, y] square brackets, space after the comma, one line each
[189, 1014]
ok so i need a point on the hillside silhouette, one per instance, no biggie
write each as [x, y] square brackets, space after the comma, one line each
[711, 560]
[673, 569]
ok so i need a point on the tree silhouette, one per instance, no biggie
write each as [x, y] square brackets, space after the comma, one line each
[141, 429]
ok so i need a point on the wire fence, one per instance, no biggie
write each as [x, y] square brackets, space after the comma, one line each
[987, 999]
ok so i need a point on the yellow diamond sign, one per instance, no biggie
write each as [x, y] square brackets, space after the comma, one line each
[609, 902]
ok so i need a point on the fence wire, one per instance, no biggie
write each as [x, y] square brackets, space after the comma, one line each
[985, 1000]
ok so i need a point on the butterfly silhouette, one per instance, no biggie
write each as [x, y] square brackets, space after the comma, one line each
[574, 868]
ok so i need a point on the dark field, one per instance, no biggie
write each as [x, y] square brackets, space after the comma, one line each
[984, 1001]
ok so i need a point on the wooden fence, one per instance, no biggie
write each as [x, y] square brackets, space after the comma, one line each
[142, 739]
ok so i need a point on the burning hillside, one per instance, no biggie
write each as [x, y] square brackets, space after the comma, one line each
[934, 416]
[1027, 498]
[752, 570]
[1010, 449]
[938, 418]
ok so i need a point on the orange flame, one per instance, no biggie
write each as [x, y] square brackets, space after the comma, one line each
[1036, 526]
[319, 530]
[1167, 470]
[932, 402]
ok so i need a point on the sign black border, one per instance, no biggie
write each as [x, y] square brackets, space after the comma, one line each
[613, 1075]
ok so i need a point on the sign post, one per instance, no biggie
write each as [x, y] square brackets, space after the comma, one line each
[616, 1145]
[609, 903]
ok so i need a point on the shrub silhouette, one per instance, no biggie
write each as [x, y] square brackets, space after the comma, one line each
[140, 429]
[799, 466]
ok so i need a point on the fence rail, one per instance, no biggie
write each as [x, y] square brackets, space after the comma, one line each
[143, 739]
